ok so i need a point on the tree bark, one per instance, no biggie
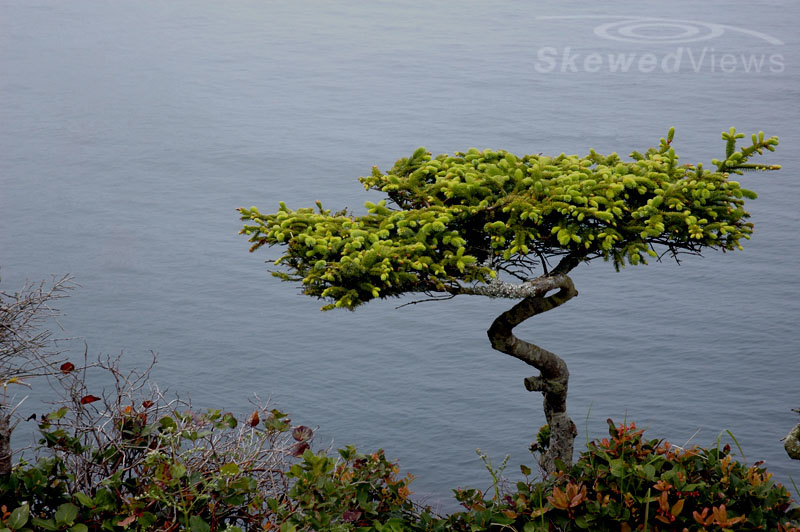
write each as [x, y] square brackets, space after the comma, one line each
[792, 443]
[554, 376]
[5, 443]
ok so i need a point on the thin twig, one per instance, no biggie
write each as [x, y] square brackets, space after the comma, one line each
[442, 298]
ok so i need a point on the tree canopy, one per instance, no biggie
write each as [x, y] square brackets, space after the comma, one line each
[451, 223]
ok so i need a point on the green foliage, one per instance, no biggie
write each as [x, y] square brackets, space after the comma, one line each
[464, 217]
[41, 485]
[355, 492]
[627, 483]
[126, 462]
[620, 483]
[179, 471]
[495, 473]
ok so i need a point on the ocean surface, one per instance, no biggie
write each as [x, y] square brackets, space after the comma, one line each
[131, 131]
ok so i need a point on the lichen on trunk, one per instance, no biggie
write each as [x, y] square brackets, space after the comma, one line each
[792, 442]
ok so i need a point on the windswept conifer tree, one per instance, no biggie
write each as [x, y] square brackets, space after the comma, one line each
[494, 224]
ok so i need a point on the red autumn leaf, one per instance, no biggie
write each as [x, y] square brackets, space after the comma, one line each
[253, 419]
[86, 399]
[299, 449]
[128, 520]
[147, 404]
[66, 367]
[302, 433]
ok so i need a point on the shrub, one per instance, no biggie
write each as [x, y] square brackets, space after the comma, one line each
[208, 472]
[137, 461]
[625, 483]
[354, 492]
[133, 460]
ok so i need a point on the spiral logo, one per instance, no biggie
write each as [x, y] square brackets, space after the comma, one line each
[654, 30]
[659, 30]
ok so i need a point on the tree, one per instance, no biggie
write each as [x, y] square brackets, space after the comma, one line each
[484, 222]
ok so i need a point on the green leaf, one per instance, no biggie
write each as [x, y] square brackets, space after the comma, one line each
[84, 500]
[66, 514]
[44, 524]
[145, 520]
[105, 500]
[58, 414]
[229, 469]
[19, 516]
[288, 527]
[167, 423]
[617, 467]
[230, 420]
[80, 527]
[178, 470]
[198, 525]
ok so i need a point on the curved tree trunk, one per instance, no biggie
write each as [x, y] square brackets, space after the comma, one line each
[554, 375]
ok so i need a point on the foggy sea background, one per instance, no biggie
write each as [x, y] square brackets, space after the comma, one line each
[130, 132]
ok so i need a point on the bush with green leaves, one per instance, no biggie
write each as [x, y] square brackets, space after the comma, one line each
[626, 483]
[150, 466]
[134, 460]
[352, 492]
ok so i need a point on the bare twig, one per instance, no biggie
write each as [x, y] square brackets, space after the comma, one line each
[116, 423]
[26, 349]
[428, 300]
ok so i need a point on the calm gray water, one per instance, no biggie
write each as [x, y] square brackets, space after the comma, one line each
[129, 133]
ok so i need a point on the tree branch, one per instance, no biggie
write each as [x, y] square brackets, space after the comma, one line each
[503, 289]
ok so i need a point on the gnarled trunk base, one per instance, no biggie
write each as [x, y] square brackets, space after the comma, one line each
[792, 443]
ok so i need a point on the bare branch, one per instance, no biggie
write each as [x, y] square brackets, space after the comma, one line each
[25, 347]
[428, 300]
[24, 342]
[126, 424]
